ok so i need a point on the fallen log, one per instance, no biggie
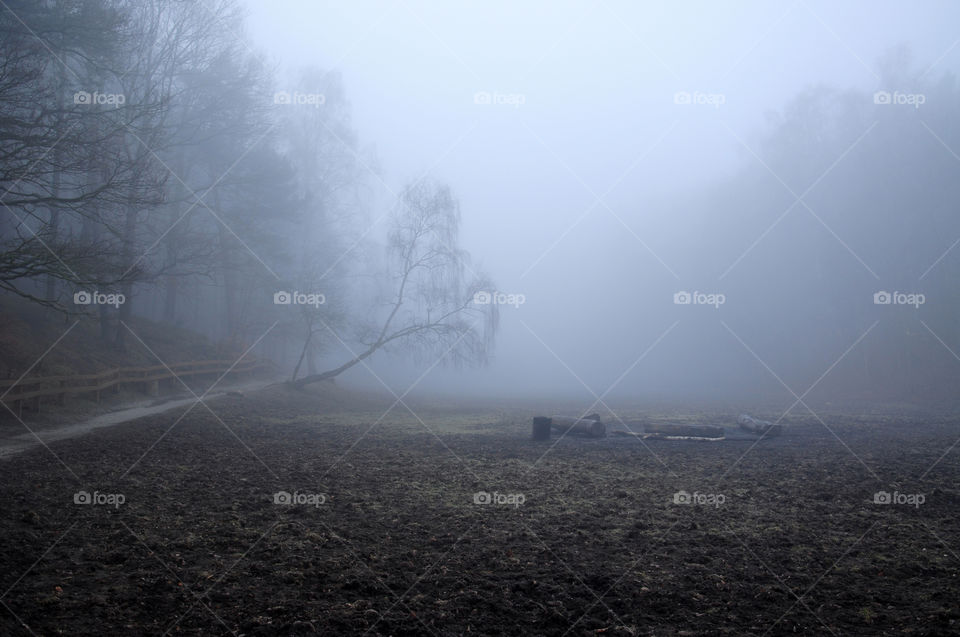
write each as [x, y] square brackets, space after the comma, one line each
[586, 426]
[686, 431]
[625, 432]
[762, 428]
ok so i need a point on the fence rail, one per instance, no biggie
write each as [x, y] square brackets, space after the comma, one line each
[31, 390]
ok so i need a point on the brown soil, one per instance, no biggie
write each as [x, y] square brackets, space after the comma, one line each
[400, 548]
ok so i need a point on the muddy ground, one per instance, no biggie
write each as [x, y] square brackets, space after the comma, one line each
[581, 537]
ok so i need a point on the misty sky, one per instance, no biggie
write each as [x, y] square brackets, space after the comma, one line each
[589, 111]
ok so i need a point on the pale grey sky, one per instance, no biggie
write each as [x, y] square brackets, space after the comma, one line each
[597, 81]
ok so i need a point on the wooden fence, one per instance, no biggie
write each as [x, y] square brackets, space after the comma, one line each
[31, 390]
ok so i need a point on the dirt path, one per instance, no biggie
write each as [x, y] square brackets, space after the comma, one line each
[13, 444]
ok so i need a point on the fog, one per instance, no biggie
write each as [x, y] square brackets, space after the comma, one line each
[660, 201]
[596, 196]
[420, 317]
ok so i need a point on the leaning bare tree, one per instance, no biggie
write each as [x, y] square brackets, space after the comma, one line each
[432, 310]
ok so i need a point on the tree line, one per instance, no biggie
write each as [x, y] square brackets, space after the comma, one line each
[152, 158]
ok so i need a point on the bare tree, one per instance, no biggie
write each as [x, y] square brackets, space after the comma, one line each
[433, 308]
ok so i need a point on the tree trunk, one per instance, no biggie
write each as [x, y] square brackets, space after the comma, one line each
[541, 428]
[104, 317]
[332, 373]
[312, 359]
[171, 244]
[303, 353]
[54, 231]
[126, 284]
[54, 224]
[170, 292]
[230, 275]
